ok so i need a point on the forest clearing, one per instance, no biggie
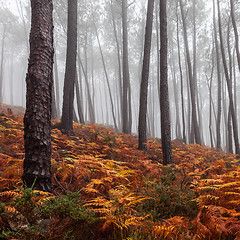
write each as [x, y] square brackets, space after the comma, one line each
[104, 188]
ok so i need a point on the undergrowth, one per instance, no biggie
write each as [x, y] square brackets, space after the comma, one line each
[169, 198]
[105, 188]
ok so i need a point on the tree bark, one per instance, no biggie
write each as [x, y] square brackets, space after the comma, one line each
[54, 106]
[37, 119]
[142, 124]
[165, 115]
[70, 71]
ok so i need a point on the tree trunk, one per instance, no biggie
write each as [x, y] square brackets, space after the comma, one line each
[11, 80]
[152, 111]
[129, 108]
[194, 81]
[191, 80]
[37, 119]
[235, 33]
[229, 84]
[158, 47]
[235, 85]
[219, 91]
[200, 116]
[176, 100]
[210, 113]
[70, 72]
[165, 115]
[229, 135]
[211, 105]
[90, 103]
[54, 106]
[142, 124]
[181, 79]
[2, 62]
[75, 119]
[225, 114]
[78, 96]
[126, 111]
[189, 108]
[55, 65]
[119, 64]
[107, 78]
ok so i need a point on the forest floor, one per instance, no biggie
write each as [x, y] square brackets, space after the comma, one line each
[104, 188]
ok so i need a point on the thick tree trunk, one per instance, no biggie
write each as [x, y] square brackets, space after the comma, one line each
[142, 124]
[70, 71]
[37, 119]
[165, 115]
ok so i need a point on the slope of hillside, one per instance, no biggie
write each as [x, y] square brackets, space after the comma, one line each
[104, 188]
